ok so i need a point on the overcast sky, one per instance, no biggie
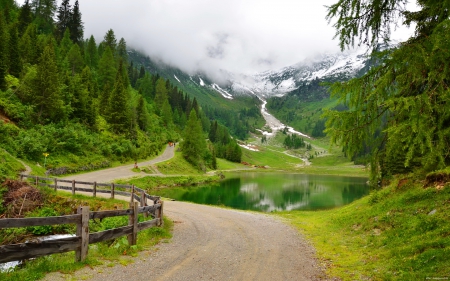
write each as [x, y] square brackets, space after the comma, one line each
[242, 36]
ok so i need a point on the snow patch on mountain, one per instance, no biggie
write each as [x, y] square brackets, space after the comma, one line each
[176, 78]
[201, 82]
[224, 93]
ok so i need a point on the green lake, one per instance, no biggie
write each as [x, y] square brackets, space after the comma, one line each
[274, 192]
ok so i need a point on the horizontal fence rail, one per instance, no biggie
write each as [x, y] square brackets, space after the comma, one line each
[80, 242]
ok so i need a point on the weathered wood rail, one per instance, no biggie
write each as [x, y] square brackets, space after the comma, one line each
[80, 242]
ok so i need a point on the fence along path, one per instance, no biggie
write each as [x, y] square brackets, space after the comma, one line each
[80, 242]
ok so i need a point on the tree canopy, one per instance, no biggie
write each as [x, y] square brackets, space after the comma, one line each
[400, 108]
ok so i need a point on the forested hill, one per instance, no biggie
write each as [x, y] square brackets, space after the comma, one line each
[75, 104]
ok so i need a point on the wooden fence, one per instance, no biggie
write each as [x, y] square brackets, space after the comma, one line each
[83, 238]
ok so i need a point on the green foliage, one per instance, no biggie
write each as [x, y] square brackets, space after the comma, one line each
[193, 145]
[293, 142]
[406, 96]
[397, 233]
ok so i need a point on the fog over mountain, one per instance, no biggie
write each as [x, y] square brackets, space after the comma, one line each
[211, 36]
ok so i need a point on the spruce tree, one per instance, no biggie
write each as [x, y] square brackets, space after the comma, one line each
[106, 69]
[193, 146]
[406, 95]
[160, 94]
[25, 17]
[118, 110]
[15, 63]
[3, 52]
[76, 26]
[44, 11]
[76, 62]
[91, 53]
[48, 101]
[122, 50]
[110, 41]
[63, 16]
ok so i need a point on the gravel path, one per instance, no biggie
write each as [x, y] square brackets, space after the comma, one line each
[211, 243]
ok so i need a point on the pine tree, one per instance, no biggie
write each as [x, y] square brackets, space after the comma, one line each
[118, 110]
[106, 69]
[76, 26]
[122, 50]
[142, 72]
[160, 95]
[142, 114]
[92, 53]
[15, 63]
[193, 145]
[28, 45]
[44, 11]
[25, 18]
[64, 15]
[48, 101]
[110, 41]
[65, 45]
[3, 52]
[406, 95]
[75, 59]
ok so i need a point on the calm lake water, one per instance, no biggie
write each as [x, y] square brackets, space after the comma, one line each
[270, 192]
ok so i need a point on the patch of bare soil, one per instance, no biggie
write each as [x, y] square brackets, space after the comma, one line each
[20, 198]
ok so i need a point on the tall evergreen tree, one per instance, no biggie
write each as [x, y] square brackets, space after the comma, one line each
[3, 52]
[25, 17]
[48, 101]
[76, 25]
[15, 63]
[406, 95]
[193, 146]
[160, 94]
[75, 59]
[44, 11]
[91, 53]
[106, 69]
[110, 41]
[122, 50]
[64, 15]
[118, 110]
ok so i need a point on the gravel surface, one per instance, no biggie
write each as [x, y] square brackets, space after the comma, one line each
[210, 243]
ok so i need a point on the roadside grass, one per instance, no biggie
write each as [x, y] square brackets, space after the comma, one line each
[223, 165]
[151, 183]
[9, 166]
[108, 253]
[177, 166]
[400, 232]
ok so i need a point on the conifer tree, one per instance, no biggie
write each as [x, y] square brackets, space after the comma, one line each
[406, 95]
[44, 11]
[160, 94]
[106, 69]
[142, 114]
[65, 45]
[28, 45]
[63, 16]
[142, 72]
[76, 26]
[118, 110]
[75, 59]
[122, 50]
[3, 52]
[193, 145]
[25, 17]
[15, 63]
[49, 104]
[110, 41]
[92, 53]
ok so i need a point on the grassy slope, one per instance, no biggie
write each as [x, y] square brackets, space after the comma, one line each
[390, 235]
[9, 166]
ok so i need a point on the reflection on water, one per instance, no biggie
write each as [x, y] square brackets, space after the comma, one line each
[270, 192]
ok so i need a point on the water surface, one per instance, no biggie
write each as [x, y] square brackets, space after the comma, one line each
[270, 192]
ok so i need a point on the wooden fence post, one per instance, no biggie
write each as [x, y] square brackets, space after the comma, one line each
[83, 232]
[94, 192]
[133, 220]
[144, 202]
[73, 187]
[160, 214]
[112, 190]
[56, 184]
[132, 194]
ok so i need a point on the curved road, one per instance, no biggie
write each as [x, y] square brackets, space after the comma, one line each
[211, 243]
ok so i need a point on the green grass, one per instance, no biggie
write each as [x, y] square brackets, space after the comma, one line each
[9, 166]
[177, 166]
[112, 252]
[392, 234]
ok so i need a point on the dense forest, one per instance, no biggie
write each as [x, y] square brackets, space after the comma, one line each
[71, 102]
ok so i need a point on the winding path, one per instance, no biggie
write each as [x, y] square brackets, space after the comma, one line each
[211, 243]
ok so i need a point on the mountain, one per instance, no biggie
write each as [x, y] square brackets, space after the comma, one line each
[326, 67]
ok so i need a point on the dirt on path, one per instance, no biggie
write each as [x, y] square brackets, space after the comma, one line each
[121, 172]
[211, 243]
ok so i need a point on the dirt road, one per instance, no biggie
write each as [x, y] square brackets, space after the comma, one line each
[121, 172]
[211, 243]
